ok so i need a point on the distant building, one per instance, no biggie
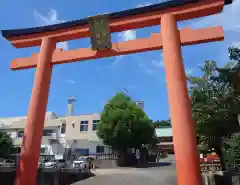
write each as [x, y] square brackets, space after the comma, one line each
[77, 133]
[165, 137]
[72, 132]
[140, 103]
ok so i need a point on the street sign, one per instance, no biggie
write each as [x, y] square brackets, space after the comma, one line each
[100, 33]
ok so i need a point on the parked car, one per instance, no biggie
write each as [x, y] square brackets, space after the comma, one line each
[7, 162]
[82, 163]
[1, 161]
[60, 163]
[41, 162]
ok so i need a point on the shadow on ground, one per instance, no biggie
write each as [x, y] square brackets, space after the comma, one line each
[158, 164]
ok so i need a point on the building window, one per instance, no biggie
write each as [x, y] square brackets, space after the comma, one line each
[15, 150]
[99, 149]
[82, 151]
[83, 126]
[42, 150]
[63, 128]
[48, 132]
[20, 133]
[94, 125]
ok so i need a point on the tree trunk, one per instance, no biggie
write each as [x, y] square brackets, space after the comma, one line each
[219, 152]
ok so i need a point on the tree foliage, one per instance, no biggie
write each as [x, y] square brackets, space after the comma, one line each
[231, 72]
[5, 144]
[215, 106]
[161, 123]
[234, 54]
[124, 125]
[232, 149]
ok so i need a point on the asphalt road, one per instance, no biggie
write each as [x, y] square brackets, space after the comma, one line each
[164, 175]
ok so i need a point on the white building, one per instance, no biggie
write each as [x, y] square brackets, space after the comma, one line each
[77, 133]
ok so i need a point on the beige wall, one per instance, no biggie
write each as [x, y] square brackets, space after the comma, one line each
[79, 139]
[73, 127]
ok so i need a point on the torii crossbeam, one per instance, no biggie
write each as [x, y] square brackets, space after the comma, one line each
[170, 40]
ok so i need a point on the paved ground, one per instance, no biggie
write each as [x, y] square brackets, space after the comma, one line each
[164, 175]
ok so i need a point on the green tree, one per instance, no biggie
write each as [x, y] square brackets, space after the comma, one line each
[232, 150]
[234, 54]
[161, 123]
[125, 125]
[215, 107]
[5, 144]
[230, 74]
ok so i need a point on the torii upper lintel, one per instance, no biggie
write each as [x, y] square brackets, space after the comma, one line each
[119, 21]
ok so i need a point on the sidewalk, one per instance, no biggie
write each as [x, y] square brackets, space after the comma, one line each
[116, 170]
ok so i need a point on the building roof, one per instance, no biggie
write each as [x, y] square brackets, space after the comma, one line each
[21, 124]
[126, 13]
[164, 132]
[8, 121]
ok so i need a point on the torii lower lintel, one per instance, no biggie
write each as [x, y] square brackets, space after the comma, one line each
[187, 35]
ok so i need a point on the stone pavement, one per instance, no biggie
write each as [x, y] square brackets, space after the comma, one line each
[165, 175]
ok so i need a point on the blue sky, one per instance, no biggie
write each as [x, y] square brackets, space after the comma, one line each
[93, 82]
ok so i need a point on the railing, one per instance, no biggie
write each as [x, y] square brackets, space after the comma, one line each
[105, 156]
[221, 178]
[236, 178]
[210, 166]
[102, 156]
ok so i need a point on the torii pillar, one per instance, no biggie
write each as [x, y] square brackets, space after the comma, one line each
[183, 127]
[26, 173]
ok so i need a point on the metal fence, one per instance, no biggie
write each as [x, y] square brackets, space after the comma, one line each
[236, 179]
[220, 178]
[102, 156]
[210, 166]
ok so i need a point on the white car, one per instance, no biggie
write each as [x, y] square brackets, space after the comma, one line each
[55, 163]
[7, 162]
[81, 163]
[1, 161]
[41, 163]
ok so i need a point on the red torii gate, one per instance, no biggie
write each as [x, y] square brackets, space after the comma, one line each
[170, 40]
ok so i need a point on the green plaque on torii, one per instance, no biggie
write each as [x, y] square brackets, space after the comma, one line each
[100, 33]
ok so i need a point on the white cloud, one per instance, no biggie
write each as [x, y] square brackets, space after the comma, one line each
[117, 60]
[236, 44]
[51, 18]
[229, 18]
[146, 68]
[143, 4]
[189, 71]
[127, 35]
[124, 36]
[69, 81]
[150, 3]
[151, 67]
[158, 63]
